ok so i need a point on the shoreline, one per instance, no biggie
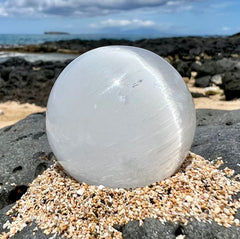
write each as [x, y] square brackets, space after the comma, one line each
[32, 57]
[164, 46]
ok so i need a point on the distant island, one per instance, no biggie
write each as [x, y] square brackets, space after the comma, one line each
[56, 33]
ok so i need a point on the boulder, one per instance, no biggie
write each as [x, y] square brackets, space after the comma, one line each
[217, 135]
[24, 153]
[217, 79]
[203, 81]
[205, 69]
[28, 82]
[231, 84]
[183, 67]
[226, 64]
[214, 67]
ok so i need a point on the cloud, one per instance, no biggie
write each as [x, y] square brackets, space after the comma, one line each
[131, 26]
[221, 5]
[3, 13]
[226, 29]
[80, 7]
[125, 22]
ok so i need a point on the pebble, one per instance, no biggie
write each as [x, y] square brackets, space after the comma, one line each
[217, 79]
[213, 90]
[61, 206]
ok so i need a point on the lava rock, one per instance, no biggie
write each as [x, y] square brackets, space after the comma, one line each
[231, 84]
[217, 135]
[209, 117]
[212, 67]
[30, 232]
[27, 233]
[18, 78]
[180, 46]
[154, 229]
[4, 218]
[2, 83]
[203, 81]
[28, 82]
[24, 153]
[16, 61]
[5, 71]
[199, 230]
[151, 228]
[183, 67]
[205, 69]
[226, 64]
[31, 82]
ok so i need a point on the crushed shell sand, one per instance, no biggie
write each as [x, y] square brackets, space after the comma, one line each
[61, 205]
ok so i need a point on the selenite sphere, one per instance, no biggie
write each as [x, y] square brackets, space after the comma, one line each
[120, 116]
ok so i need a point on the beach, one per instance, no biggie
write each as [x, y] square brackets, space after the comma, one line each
[201, 198]
[13, 111]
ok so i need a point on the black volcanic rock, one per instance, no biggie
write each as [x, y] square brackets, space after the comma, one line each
[153, 229]
[31, 82]
[28, 82]
[205, 69]
[209, 117]
[181, 46]
[16, 61]
[25, 153]
[212, 67]
[183, 67]
[231, 84]
[227, 69]
[203, 81]
[217, 135]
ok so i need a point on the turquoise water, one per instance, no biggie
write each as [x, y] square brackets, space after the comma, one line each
[24, 39]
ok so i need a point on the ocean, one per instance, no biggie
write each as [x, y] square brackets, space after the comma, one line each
[27, 39]
[5, 55]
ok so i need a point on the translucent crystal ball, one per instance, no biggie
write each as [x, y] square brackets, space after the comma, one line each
[120, 116]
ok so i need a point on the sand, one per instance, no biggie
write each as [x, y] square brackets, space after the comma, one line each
[14, 111]
[217, 101]
[61, 206]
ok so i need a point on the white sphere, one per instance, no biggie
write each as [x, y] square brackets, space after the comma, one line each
[120, 116]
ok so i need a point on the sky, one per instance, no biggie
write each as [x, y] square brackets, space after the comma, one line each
[145, 17]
